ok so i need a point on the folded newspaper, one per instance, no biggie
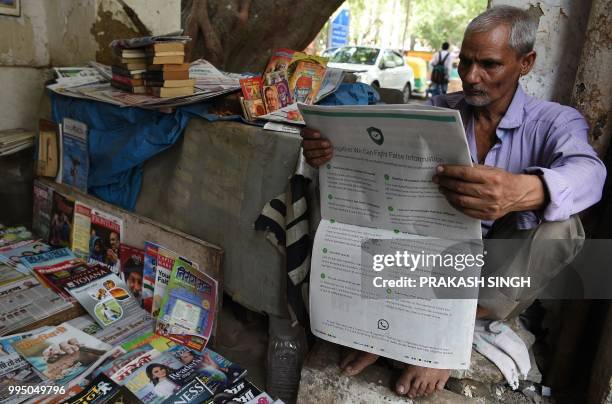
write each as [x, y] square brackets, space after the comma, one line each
[377, 196]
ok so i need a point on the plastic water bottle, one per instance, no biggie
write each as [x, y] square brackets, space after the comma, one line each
[286, 347]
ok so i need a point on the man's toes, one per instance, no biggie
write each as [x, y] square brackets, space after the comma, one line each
[414, 388]
[362, 361]
[348, 359]
[440, 384]
[404, 382]
[422, 388]
[431, 387]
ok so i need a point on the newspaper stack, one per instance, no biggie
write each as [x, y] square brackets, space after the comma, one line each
[12, 141]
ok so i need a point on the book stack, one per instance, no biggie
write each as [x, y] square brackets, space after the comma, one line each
[167, 73]
[128, 68]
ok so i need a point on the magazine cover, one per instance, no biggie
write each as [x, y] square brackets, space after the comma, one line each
[240, 392]
[105, 239]
[148, 275]
[56, 276]
[132, 263]
[47, 258]
[11, 255]
[280, 60]
[62, 213]
[213, 369]
[253, 100]
[102, 390]
[306, 75]
[163, 269]
[42, 204]
[188, 307]
[62, 353]
[12, 235]
[81, 230]
[103, 295]
[158, 342]
[9, 274]
[75, 156]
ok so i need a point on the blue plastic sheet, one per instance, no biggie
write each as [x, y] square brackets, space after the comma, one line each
[122, 139]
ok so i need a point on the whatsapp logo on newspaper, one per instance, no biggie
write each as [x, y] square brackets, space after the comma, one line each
[376, 135]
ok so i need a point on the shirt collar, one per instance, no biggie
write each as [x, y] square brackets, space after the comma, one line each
[516, 111]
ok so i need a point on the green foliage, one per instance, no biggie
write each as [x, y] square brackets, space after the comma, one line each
[437, 21]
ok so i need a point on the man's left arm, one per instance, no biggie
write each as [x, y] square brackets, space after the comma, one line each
[569, 180]
[573, 174]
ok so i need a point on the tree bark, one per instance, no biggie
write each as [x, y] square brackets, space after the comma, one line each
[240, 35]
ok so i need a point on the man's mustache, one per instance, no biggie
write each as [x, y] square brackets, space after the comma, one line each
[475, 89]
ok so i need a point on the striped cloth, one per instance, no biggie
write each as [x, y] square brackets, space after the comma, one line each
[285, 220]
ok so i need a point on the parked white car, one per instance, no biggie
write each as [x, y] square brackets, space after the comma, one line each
[375, 66]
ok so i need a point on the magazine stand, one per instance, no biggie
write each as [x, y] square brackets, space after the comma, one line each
[138, 229]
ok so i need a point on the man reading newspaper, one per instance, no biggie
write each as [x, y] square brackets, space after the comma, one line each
[533, 171]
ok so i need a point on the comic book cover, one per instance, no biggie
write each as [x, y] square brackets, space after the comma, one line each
[106, 235]
[81, 230]
[276, 91]
[56, 276]
[62, 214]
[306, 74]
[163, 269]
[61, 353]
[11, 254]
[132, 262]
[148, 275]
[103, 295]
[188, 308]
[75, 156]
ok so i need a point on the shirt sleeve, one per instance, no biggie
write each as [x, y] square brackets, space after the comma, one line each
[571, 171]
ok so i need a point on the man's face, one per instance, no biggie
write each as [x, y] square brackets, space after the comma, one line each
[113, 239]
[134, 282]
[488, 67]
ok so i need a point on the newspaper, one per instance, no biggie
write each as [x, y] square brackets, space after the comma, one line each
[25, 301]
[93, 83]
[378, 188]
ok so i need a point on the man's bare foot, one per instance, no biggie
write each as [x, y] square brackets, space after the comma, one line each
[356, 361]
[417, 381]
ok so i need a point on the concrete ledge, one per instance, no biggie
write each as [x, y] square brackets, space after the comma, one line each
[322, 382]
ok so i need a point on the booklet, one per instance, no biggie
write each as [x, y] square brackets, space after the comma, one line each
[132, 262]
[81, 230]
[105, 239]
[163, 269]
[56, 276]
[12, 254]
[187, 311]
[104, 295]
[61, 353]
[75, 155]
[62, 214]
[377, 196]
[148, 274]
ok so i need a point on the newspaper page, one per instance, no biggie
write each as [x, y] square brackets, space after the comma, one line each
[378, 187]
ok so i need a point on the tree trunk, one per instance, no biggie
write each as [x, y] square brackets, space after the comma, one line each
[240, 35]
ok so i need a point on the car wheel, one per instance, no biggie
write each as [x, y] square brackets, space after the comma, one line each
[406, 93]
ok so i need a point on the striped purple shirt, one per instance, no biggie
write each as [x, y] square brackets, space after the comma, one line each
[543, 138]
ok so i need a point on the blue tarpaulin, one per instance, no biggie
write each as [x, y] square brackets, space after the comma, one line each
[122, 139]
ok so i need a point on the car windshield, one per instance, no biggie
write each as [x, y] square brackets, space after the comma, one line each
[356, 55]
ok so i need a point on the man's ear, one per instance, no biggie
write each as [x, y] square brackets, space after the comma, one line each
[527, 61]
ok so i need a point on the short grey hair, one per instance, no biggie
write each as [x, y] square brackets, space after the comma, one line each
[522, 26]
